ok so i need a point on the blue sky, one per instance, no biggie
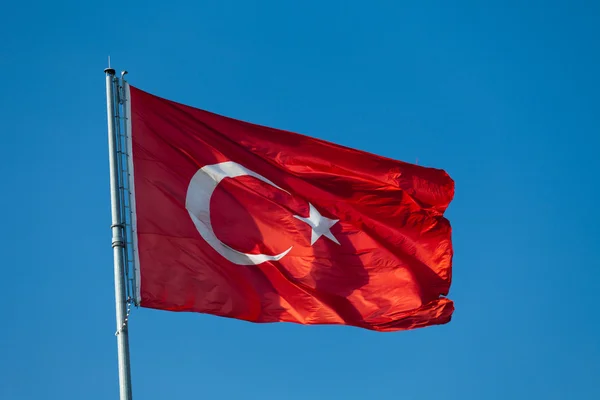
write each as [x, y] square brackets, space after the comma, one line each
[503, 95]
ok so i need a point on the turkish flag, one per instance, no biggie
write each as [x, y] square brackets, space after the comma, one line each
[264, 225]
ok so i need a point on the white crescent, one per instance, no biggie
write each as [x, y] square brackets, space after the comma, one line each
[197, 202]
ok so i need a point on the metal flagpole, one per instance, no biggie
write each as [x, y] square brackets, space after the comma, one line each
[118, 244]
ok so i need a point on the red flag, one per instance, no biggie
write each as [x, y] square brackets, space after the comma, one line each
[249, 222]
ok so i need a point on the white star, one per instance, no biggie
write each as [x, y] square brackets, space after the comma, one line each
[320, 225]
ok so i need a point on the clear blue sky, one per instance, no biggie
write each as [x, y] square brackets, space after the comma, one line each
[502, 95]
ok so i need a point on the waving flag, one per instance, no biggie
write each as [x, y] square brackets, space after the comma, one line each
[249, 222]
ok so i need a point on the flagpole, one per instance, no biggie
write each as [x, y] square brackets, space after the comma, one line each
[117, 244]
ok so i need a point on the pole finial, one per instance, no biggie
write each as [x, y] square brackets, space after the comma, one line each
[109, 70]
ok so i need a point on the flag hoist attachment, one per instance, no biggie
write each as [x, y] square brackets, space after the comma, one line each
[122, 219]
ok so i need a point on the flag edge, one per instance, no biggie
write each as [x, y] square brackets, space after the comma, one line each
[134, 241]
